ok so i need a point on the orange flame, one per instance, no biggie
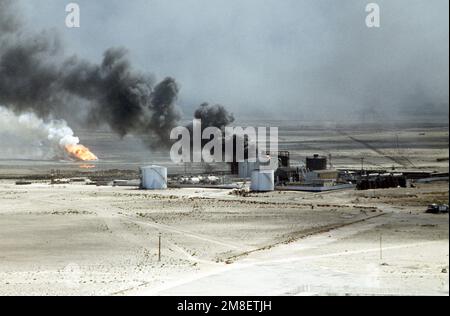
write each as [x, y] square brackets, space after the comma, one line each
[81, 152]
[87, 166]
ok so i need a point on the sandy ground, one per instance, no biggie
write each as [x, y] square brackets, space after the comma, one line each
[87, 240]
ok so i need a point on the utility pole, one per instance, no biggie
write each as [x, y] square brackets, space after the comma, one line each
[362, 165]
[398, 143]
[159, 247]
[381, 247]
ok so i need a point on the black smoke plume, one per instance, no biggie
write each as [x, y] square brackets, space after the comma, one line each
[218, 116]
[213, 116]
[36, 77]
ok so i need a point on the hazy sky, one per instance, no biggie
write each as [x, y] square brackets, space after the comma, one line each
[273, 58]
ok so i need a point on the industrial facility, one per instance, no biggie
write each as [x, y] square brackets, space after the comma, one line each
[313, 174]
[237, 148]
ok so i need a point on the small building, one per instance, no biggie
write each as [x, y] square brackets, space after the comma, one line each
[382, 181]
[245, 168]
[321, 177]
[286, 174]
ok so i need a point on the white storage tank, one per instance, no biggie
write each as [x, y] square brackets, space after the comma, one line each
[246, 168]
[154, 178]
[263, 181]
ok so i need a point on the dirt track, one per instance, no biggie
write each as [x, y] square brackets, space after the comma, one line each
[77, 239]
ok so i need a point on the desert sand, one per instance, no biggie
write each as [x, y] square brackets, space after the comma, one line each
[76, 239]
[86, 240]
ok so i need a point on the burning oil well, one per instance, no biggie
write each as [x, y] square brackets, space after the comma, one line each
[52, 139]
[36, 78]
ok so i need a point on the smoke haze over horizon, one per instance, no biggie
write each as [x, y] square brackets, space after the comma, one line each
[295, 58]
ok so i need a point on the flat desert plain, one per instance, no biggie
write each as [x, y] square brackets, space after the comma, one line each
[75, 239]
[87, 240]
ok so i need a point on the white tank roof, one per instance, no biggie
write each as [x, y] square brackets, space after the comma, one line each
[263, 180]
[154, 178]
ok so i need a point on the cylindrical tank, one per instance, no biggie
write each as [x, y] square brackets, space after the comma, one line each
[316, 163]
[246, 168]
[263, 181]
[154, 178]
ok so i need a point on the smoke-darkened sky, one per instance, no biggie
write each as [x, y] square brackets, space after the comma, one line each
[272, 58]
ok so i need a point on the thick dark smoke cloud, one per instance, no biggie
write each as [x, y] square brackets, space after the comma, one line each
[35, 77]
[218, 116]
[28, 81]
[126, 100]
[165, 114]
[296, 59]
[302, 59]
[213, 116]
